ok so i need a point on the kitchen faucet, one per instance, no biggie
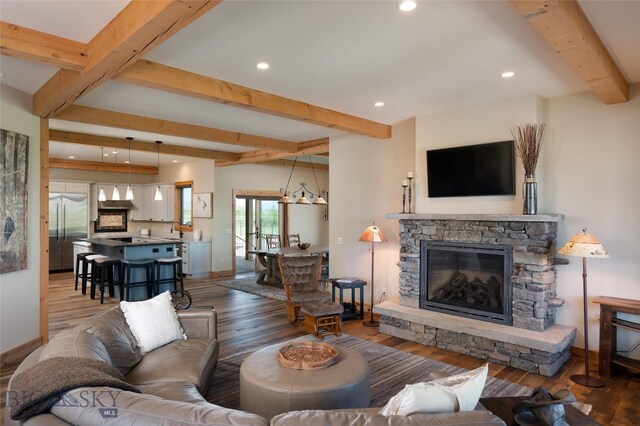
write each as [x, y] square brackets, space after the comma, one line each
[173, 227]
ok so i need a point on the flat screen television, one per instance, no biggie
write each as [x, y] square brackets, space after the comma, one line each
[485, 169]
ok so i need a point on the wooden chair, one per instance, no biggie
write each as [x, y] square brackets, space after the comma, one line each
[294, 239]
[301, 281]
[273, 241]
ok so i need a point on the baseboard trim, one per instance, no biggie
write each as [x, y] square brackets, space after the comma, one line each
[19, 352]
[222, 274]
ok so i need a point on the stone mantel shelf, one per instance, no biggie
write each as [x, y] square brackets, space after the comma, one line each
[479, 217]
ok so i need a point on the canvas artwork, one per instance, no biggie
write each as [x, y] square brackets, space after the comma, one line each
[14, 151]
[202, 204]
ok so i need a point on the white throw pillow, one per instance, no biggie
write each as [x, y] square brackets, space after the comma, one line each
[153, 322]
[459, 392]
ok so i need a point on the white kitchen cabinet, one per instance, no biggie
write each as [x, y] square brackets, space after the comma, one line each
[69, 187]
[196, 258]
[158, 211]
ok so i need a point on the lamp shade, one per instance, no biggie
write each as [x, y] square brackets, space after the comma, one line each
[303, 200]
[373, 234]
[320, 201]
[584, 245]
[158, 196]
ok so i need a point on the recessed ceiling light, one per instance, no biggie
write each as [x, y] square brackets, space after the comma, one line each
[126, 161]
[407, 5]
[262, 66]
[379, 104]
[106, 154]
[507, 74]
[72, 157]
[114, 152]
[175, 161]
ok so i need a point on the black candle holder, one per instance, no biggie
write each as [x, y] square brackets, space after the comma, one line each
[404, 196]
[410, 179]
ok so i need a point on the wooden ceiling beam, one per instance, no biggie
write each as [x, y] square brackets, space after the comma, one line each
[150, 74]
[98, 166]
[299, 164]
[121, 143]
[318, 146]
[565, 27]
[101, 117]
[139, 27]
[24, 43]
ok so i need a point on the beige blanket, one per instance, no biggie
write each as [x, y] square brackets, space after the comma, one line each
[39, 387]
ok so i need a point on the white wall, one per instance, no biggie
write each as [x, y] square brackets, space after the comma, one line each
[366, 176]
[480, 124]
[593, 175]
[308, 221]
[20, 290]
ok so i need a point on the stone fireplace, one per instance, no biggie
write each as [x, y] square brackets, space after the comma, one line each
[482, 285]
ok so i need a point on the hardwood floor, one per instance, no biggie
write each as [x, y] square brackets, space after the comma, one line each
[242, 316]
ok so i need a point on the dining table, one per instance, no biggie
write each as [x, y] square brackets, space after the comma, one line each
[268, 258]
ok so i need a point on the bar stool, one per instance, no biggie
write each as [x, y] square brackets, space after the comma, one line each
[87, 262]
[176, 268]
[129, 266]
[106, 272]
[79, 261]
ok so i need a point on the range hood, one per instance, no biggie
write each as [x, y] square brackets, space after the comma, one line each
[115, 205]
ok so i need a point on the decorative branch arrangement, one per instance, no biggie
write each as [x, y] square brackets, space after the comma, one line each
[528, 141]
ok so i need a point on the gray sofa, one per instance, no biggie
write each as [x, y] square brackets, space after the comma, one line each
[173, 378]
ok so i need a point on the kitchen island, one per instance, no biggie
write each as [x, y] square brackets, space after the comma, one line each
[132, 248]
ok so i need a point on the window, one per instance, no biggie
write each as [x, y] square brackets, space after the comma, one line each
[183, 205]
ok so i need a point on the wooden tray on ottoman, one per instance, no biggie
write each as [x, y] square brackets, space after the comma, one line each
[307, 355]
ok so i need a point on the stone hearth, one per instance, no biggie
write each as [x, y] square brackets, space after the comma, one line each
[534, 343]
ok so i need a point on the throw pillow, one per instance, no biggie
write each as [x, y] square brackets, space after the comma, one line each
[459, 392]
[153, 322]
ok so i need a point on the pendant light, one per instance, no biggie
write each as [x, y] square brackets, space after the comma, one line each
[319, 201]
[129, 195]
[158, 196]
[116, 193]
[102, 196]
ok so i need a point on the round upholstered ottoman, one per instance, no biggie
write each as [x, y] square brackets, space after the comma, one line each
[268, 389]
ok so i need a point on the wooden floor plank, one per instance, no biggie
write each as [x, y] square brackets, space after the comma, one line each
[244, 317]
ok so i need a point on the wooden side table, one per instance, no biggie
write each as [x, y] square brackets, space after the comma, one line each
[501, 407]
[353, 285]
[609, 325]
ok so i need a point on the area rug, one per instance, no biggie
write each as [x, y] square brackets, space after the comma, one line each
[248, 285]
[391, 370]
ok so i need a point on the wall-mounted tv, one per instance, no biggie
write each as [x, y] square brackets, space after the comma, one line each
[485, 169]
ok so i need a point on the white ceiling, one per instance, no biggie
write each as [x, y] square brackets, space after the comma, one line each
[343, 55]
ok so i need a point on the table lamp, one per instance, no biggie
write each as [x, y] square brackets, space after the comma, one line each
[585, 245]
[372, 235]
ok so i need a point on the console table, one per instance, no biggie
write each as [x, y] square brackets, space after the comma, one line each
[609, 307]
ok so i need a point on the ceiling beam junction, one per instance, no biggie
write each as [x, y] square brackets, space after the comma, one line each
[316, 147]
[139, 28]
[565, 27]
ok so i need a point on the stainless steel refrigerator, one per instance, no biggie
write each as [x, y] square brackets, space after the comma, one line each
[68, 221]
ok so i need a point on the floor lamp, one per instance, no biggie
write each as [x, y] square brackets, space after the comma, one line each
[372, 235]
[585, 245]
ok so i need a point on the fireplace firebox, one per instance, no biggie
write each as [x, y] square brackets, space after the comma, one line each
[467, 279]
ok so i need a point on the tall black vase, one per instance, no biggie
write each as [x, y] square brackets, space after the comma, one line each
[530, 195]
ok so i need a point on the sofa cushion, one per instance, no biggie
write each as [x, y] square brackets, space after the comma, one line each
[458, 392]
[110, 327]
[153, 322]
[368, 417]
[129, 408]
[175, 391]
[75, 343]
[191, 360]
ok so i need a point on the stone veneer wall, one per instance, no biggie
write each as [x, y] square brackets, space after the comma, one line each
[534, 273]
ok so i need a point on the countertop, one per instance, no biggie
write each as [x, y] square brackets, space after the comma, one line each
[136, 241]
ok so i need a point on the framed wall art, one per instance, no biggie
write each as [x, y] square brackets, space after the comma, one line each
[203, 205]
[14, 158]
